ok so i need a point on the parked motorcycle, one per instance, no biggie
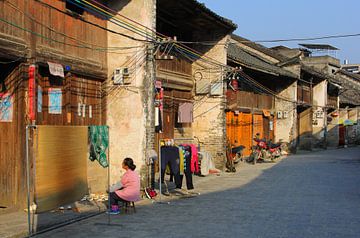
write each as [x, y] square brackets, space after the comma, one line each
[274, 150]
[264, 151]
[233, 156]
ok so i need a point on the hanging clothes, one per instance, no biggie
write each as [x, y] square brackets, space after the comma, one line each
[181, 156]
[207, 164]
[194, 158]
[99, 142]
[185, 113]
[170, 156]
[158, 120]
[187, 167]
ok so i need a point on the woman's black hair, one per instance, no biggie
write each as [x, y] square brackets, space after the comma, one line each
[130, 163]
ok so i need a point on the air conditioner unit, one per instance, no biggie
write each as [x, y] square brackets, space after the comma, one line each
[120, 76]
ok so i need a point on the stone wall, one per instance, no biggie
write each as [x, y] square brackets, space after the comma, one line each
[286, 128]
[129, 108]
[319, 115]
[209, 111]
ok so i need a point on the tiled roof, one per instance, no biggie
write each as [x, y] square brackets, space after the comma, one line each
[246, 59]
[356, 77]
[350, 92]
[218, 17]
[261, 48]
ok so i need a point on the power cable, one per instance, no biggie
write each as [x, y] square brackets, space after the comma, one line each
[91, 23]
[272, 41]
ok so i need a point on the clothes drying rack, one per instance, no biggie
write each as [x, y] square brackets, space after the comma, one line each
[160, 182]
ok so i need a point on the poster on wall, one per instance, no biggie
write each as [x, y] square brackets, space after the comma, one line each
[55, 100]
[39, 99]
[6, 107]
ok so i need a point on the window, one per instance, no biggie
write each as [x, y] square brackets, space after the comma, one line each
[74, 8]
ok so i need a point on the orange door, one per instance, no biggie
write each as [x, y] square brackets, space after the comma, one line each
[258, 125]
[238, 130]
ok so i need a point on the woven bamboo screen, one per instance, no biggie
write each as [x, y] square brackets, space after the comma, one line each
[61, 165]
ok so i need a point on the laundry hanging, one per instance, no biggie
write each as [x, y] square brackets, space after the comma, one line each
[99, 142]
[185, 113]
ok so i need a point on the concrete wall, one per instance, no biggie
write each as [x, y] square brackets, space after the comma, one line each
[319, 118]
[286, 128]
[209, 111]
[332, 131]
[129, 109]
[327, 64]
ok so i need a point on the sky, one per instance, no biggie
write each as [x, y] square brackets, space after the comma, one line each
[285, 19]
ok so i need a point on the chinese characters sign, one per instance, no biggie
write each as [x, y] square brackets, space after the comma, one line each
[55, 100]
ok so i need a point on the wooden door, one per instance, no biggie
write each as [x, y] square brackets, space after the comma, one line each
[238, 130]
[305, 129]
[258, 125]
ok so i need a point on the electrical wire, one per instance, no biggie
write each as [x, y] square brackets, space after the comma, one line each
[91, 23]
[99, 48]
[274, 40]
[96, 10]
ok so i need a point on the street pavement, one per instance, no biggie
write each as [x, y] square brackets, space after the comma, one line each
[313, 194]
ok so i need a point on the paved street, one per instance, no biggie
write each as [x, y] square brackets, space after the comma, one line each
[306, 195]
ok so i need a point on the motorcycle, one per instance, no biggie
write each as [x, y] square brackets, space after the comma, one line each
[274, 150]
[257, 152]
[264, 150]
[233, 156]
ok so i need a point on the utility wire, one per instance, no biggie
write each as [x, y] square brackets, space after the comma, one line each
[91, 23]
[97, 47]
[272, 41]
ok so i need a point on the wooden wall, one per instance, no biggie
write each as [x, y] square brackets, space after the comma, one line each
[75, 90]
[12, 143]
[67, 32]
[303, 94]
[242, 99]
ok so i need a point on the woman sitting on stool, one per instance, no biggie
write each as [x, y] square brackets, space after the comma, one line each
[130, 190]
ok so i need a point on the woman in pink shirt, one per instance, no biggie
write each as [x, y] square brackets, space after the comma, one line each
[130, 190]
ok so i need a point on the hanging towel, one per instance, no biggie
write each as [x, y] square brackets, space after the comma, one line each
[99, 142]
[185, 113]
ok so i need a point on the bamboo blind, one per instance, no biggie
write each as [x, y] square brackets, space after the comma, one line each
[61, 165]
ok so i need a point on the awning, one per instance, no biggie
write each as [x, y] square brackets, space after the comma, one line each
[266, 113]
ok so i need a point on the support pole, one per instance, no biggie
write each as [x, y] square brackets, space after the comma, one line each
[27, 137]
[160, 181]
[108, 170]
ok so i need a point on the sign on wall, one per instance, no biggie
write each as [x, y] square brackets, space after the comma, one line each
[6, 107]
[55, 100]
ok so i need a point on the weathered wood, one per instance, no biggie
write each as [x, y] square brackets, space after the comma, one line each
[242, 99]
[54, 27]
[12, 143]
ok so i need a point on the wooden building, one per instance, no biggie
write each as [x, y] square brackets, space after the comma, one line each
[252, 90]
[178, 66]
[53, 56]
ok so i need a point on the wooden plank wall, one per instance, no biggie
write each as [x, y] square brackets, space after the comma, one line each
[12, 144]
[177, 64]
[242, 99]
[75, 90]
[54, 25]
